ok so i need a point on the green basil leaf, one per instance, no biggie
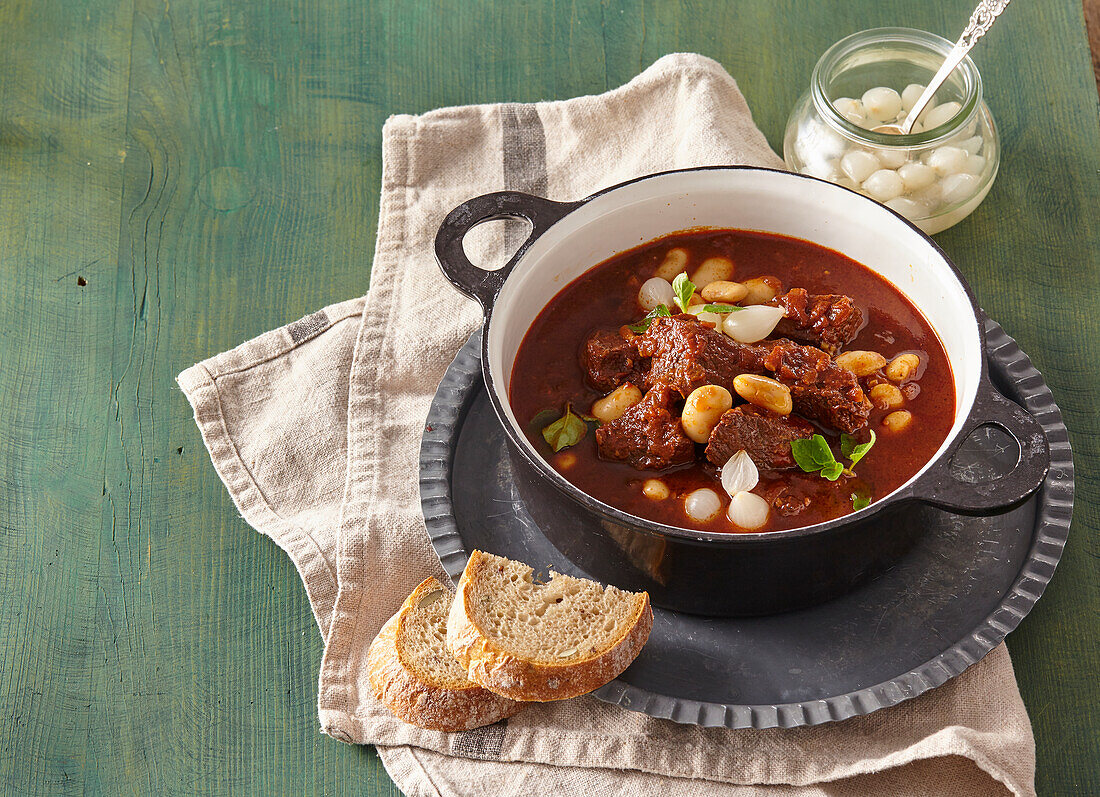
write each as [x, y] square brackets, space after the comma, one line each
[683, 288]
[815, 456]
[720, 308]
[801, 450]
[857, 452]
[568, 430]
[657, 312]
[542, 419]
[860, 502]
[820, 452]
[587, 418]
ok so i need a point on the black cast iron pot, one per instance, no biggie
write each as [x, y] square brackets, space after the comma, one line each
[736, 574]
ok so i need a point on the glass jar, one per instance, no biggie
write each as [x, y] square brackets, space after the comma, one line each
[935, 177]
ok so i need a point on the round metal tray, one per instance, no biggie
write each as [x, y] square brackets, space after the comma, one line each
[965, 584]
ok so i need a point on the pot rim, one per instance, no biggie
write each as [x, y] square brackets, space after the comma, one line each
[902, 494]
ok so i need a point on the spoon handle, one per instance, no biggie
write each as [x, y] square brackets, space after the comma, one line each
[980, 22]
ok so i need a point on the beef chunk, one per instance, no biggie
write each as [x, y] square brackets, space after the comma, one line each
[787, 502]
[820, 389]
[608, 359]
[647, 435]
[687, 354]
[765, 436]
[830, 321]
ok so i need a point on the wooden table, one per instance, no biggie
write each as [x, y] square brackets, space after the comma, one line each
[179, 177]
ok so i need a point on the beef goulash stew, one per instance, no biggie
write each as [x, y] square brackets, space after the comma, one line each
[733, 381]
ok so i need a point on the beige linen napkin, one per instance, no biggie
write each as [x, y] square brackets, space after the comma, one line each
[315, 430]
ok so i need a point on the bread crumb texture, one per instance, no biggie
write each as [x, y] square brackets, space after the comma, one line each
[412, 673]
[542, 641]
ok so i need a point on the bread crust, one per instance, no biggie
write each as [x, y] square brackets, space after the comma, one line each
[420, 702]
[520, 679]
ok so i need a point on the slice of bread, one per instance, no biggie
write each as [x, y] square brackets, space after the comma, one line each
[411, 671]
[541, 642]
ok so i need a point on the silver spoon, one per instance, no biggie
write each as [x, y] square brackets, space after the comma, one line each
[980, 22]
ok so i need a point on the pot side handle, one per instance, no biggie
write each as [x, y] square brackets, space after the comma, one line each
[941, 488]
[478, 283]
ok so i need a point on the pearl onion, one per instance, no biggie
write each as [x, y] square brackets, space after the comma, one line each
[931, 197]
[892, 158]
[881, 103]
[917, 176]
[859, 165]
[910, 96]
[883, 185]
[656, 291]
[947, 160]
[751, 324]
[907, 207]
[815, 140]
[702, 504]
[848, 182]
[748, 510]
[825, 169]
[939, 115]
[957, 187]
[974, 164]
[972, 145]
[850, 109]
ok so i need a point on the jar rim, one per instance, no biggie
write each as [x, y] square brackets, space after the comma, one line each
[972, 81]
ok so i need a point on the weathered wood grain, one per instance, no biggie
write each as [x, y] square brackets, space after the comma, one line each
[210, 170]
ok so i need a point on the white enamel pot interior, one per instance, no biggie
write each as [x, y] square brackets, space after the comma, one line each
[568, 239]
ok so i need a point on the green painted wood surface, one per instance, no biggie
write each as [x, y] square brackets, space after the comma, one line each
[178, 177]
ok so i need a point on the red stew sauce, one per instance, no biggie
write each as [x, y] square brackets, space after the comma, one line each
[548, 375]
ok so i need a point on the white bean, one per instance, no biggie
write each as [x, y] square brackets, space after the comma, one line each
[748, 511]
[761, 289]
[881, 103]
[656, 291]
[957, 187]
[675, 262]
[752, 324]
[764, 392]
[713, 269]
[916, 176]
[724, 292]
[859, 362]
[858, 165]
[883, 185]
[898, 420]
[910, 96]
[939, 115]
[614, 404]
[702, 410]
[702, 504]
[947, 160]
